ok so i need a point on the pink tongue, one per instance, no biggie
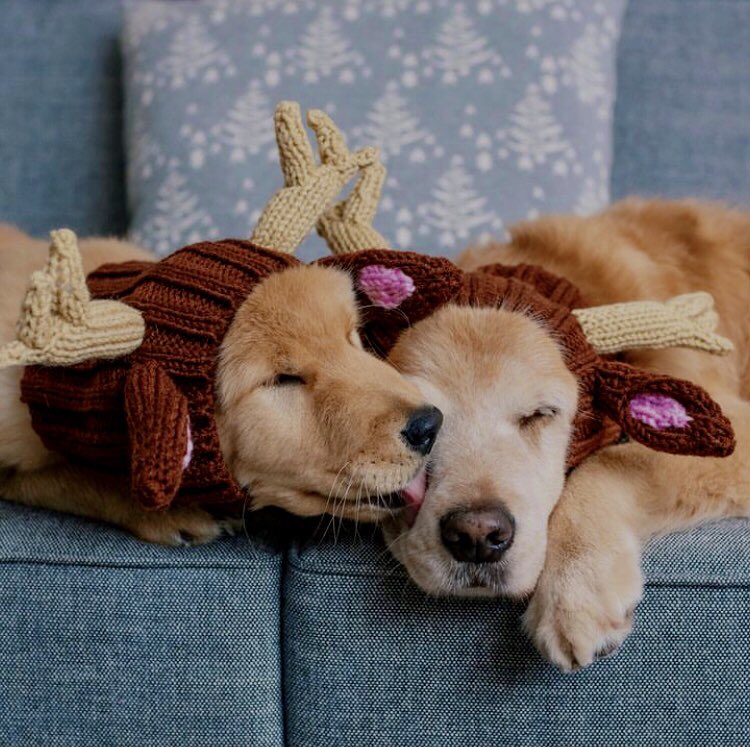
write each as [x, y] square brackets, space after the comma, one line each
[414, 492]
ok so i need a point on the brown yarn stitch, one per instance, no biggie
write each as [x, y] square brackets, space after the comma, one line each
[606, 387]
[141, 412]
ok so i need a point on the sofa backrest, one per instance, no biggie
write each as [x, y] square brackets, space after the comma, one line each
[61, 155]
[681, 119]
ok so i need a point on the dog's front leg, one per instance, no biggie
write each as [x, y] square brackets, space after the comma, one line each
[64, 487]
[583, 604]
[582, 608]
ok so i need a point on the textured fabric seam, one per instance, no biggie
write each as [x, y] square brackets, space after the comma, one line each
[282, 644]
[712, 583]
[124, 564]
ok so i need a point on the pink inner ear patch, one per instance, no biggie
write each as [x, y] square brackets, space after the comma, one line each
[385, 286]
[188, 449]
[658, 411]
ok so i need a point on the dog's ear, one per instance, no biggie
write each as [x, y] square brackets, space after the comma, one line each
[160, 440]
[662, 412]
[396, 289]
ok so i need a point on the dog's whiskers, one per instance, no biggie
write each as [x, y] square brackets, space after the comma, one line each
[328, 499]
[244, 512]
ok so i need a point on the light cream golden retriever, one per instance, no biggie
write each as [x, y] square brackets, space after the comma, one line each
[496, 478]
[308, 420]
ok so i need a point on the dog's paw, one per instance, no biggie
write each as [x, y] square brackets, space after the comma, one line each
[582, 612]
[179, 527]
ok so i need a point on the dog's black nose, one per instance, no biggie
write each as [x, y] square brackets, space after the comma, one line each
[422, 429]
[479, 536]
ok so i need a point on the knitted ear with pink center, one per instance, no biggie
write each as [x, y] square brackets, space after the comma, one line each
[396, 289]
[161, 443]
[662, 412]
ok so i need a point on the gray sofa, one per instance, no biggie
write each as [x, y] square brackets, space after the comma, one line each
[105, 640]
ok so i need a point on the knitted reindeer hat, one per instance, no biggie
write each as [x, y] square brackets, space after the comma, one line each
[398, 289]
[126, 380]
[661, 412]
[120, 372]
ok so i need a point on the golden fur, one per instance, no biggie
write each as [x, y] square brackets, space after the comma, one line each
[577, 545]
[326, 437]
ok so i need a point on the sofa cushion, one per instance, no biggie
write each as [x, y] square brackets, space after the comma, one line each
[683, 100]
[485, 112]
[369, 659]
[108, 640]
[60, 119]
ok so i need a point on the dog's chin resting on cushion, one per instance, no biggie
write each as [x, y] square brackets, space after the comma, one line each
[571, 545]
[307, 420]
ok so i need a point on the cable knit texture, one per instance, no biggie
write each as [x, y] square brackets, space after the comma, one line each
[141, 412]
[606, 386]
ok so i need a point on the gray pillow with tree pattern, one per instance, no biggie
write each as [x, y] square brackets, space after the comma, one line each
[486, 112]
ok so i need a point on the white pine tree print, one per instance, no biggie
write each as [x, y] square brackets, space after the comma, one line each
[592, 199]
[177, 220]
[192, 53]
[324, 50]
[583, 69]
[151, 18]
[221, 9]
[535, 135]
[390, 8]
[460, 48]
[529, 6]
[248, 127]
[558, 9]
[457, 209]
[146, 156]
[390, 125]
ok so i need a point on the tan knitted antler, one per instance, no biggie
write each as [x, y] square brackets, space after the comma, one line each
[309, 187]
[60, 325]
[687, 321]
[347, 226]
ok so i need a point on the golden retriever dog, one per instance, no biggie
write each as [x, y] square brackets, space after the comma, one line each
[496, 478]
[308, 420]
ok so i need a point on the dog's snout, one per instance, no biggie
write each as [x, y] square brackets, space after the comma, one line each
[477, 536]
[422, 429]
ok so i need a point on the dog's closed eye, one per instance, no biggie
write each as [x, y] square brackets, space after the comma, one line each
[538, 416]
[287, 379]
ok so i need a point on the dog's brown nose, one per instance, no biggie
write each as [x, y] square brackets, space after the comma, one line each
[422, 429]
[478, 536]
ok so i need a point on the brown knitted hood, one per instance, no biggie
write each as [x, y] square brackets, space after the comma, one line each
[121, 367]
[153, 411]
[615, 399]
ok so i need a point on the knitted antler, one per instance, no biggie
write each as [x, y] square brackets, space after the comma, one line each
[347, 226]
[688, 321]
[309, 188]
[60, 325]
